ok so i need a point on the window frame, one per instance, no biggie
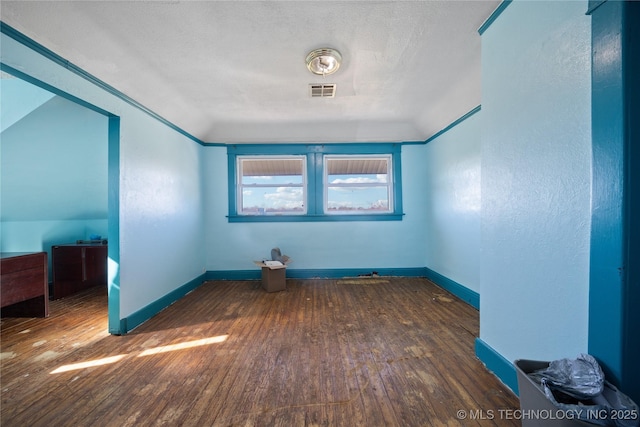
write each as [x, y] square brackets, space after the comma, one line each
[315, 190]
[327, 185]
[240, 187]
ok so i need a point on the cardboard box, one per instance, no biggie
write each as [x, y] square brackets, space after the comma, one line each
[274, 279]
[274, 275]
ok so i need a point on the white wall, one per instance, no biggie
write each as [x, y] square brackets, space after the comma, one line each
[536, 160]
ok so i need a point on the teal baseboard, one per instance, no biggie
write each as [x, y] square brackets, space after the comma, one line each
[132, 321]
[470, 297]
[497, 364]
[293, 273]
[136, 319]
[465, 294]
[233, 275]
[354, 272]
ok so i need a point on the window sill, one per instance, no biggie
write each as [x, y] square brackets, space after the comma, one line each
[315, 218]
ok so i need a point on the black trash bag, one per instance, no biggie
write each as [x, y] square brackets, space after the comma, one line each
[578, 388]
[581, 378]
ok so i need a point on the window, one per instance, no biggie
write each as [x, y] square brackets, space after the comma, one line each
[357, 184]
[269, 185]
[294, 182]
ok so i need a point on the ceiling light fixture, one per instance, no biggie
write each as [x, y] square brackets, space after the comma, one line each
[324, 61]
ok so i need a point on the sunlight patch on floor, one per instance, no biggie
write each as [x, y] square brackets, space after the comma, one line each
[148, 352]
[184, 345]
[88, 364]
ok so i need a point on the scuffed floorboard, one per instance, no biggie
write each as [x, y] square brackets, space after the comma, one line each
[388, 351]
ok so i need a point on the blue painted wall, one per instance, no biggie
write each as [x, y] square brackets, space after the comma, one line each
[161, 219]
[159, 242]
[315, 245]
[536, 164]
[451, 164]
[523, 245]
[54, 176]
[19, 98]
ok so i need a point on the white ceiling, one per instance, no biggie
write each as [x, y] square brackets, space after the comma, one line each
[234, 71]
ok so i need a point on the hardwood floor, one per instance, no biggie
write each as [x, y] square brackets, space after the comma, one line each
[353, 352]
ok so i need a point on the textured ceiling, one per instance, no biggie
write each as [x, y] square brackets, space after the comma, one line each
[234, 71]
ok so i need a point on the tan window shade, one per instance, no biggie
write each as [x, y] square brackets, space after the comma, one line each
[356, 166]
[269, 167]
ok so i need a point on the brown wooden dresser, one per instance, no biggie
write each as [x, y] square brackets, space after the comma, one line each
[78, 266]
[24, 284]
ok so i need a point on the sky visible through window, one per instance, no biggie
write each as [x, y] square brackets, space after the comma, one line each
[345, 193]
[273, 194]
[358, 192]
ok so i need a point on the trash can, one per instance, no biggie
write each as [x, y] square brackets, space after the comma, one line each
[609, 407]
[536, 409]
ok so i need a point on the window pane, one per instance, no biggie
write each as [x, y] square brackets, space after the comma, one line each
[355, 180]
[358, 199]
[271, 185]
[269, 200]
[272, 180]
[357, 184]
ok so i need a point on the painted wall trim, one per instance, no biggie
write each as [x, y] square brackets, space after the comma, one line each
[454, 124]
[496, 363]
[233, 274]
[130, 322]
[113, 227]
[52, 56]
[470, 297]
[214, 144]
[315, 218]
[336, 273]
[501, 7]
[136, 319]
[325, 144]
[314, 174]
[307, 148]
[594, 4]
[467, 295]
[27, 78]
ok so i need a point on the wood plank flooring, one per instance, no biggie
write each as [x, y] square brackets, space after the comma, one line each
[353, 352]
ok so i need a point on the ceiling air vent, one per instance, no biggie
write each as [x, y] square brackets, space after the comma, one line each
[322, 90]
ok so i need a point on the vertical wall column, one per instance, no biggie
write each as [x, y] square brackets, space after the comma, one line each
[614, 319]
[113, 263]
[535, 182]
